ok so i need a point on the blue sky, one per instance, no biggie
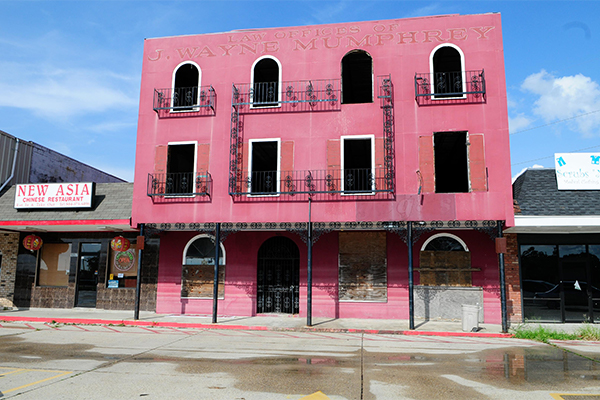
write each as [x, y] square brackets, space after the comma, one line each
[70, 70]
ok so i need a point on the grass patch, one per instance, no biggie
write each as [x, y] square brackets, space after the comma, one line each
[543, 334]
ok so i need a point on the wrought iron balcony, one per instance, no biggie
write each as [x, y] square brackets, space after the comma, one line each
[450, 87]
[197, 99]
[179, 184]
[292, 96]
[364, 181]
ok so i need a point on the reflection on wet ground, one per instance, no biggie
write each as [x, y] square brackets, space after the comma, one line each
[355, 372]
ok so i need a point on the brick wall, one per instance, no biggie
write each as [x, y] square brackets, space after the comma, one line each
[512, 280]
[9, 246]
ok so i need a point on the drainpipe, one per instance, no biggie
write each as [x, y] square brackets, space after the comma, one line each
[138, 285]
[502, 283]
[309, 269]
[216, 279]
[12, 172]
[411, 302]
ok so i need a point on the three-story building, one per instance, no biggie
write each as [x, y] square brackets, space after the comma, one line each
[355, 170]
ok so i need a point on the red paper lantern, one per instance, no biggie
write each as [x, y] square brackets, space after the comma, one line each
[32, 242]
[120, 244]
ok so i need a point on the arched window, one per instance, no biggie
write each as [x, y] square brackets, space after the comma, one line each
[445, 260]
[357, 78]
[447, 67]
[266, 80]
[444, 242]
[197, 278]
[186, 83]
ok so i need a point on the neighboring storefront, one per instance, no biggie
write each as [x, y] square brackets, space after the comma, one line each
[555, 245]
[75, 247]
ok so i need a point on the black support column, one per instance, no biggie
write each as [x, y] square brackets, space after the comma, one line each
[309, 269]
[216, 280]
[411, 301]
[138, 285]
[502, 283]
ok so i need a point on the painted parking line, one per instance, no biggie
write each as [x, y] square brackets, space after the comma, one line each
[9, 374]
[574, 396]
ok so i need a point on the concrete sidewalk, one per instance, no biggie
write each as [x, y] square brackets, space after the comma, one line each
[91, 316]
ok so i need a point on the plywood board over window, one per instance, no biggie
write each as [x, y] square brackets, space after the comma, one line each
[198, 281]
[445, 268]
[363, 266]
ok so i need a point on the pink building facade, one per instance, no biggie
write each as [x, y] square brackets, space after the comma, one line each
[316, 154]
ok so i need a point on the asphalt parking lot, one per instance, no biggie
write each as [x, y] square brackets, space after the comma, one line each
[45, 360]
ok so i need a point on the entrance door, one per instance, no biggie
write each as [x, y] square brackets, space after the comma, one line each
[278, 280]
[575, 290]
[87, 274]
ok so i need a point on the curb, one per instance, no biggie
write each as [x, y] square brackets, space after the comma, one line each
[84, 321]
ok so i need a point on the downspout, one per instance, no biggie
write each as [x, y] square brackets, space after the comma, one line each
[12, 172]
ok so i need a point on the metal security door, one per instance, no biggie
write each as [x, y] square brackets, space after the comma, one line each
[278, 277]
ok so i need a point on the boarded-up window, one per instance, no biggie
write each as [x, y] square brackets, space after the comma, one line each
[363, 266]
[198, 270]
[444, 262]
[55, 264]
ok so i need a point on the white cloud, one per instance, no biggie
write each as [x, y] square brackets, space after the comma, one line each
[55, 93]
[566, 97]
[518, 123]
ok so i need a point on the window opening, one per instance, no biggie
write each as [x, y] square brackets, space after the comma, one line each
[265, 83]
[451, 166]
[198, 268]
[264, 167]
[185, 88]
[358, 165]
[447, 73]
[357, 78]
[180, 168]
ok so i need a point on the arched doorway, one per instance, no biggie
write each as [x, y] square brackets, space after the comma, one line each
[278, 277]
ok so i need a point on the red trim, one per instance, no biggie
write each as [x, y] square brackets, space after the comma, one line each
[84, 321]
[70, 222]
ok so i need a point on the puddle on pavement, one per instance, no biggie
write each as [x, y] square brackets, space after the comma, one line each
[420, 376]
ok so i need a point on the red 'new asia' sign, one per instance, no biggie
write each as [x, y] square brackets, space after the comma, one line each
[54, 195]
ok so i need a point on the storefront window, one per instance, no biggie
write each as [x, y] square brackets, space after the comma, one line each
[122, 268]
[55, 264]
[540, 282]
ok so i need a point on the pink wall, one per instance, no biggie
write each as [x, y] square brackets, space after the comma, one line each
[240, 277]
[398, 47]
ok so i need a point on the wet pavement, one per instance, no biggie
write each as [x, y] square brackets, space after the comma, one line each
[46, 360]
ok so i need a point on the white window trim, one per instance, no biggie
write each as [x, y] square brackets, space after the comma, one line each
[437, 235]
[173, 86]
[278, 175]
[194, 172]
[372, 74]
[279, 81]
[350, 137]
[201, 236]
[462, 69]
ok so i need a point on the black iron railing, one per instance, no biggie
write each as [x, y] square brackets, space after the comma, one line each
[310, 95]
[451, 87]
[361, 181]
[179, 184]
[187, 99]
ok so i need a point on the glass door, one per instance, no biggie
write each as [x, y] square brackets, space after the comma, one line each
[575, 291]
[87, 274]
